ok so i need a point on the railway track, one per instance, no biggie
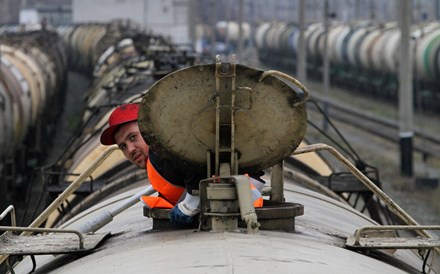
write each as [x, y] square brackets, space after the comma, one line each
[425, 143]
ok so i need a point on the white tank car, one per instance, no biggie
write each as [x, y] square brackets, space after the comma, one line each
[317, 245]
[298, 230]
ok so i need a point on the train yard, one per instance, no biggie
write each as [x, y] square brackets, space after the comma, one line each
[120, 74]
[316, 124]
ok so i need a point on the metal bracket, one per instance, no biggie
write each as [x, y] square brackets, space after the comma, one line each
[223, 200]
[52, 243]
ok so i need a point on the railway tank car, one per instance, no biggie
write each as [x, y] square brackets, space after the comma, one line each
[296, 230]
[33, 74]
[364, 55]
[228, 33]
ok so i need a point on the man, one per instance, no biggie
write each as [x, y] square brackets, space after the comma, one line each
[173, 184]
[123, 130]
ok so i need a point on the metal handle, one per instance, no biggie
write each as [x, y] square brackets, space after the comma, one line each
[368, 183]
[289, 78]
[11, 209]
[359, 231]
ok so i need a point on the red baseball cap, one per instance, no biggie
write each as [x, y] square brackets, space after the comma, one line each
[121, 115]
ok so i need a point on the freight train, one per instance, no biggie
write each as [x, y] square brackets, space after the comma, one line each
[232, 118]
[364, 55]
[32, 80]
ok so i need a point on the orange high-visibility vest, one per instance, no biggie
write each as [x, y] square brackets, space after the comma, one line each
[171, 193]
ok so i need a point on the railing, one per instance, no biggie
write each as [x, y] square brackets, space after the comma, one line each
[369, 184]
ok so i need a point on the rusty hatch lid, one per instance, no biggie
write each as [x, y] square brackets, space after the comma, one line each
[177, 117]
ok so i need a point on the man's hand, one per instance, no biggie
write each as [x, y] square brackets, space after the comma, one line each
[177, 218]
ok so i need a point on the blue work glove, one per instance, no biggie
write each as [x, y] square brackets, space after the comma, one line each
[177, 218]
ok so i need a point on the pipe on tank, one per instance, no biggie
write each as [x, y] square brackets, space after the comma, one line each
[106, 217]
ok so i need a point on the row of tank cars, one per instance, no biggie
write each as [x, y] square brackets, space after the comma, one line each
[364, 55]
[125, 62]
[32, 77]
[120, 60]
[34, 64]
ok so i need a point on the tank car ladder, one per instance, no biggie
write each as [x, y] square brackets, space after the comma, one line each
[226, 162]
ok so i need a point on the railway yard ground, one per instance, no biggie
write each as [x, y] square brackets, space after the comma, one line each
[421, 202]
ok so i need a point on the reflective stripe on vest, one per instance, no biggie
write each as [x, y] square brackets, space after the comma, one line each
[170, 192]
[256, 196]
[156, 202]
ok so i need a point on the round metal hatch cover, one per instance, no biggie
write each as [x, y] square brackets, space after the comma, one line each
[177, 117]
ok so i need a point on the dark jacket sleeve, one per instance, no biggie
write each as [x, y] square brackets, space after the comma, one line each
[186, 178]
[176, 175]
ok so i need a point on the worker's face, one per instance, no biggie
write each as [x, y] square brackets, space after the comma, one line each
[130, 141]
